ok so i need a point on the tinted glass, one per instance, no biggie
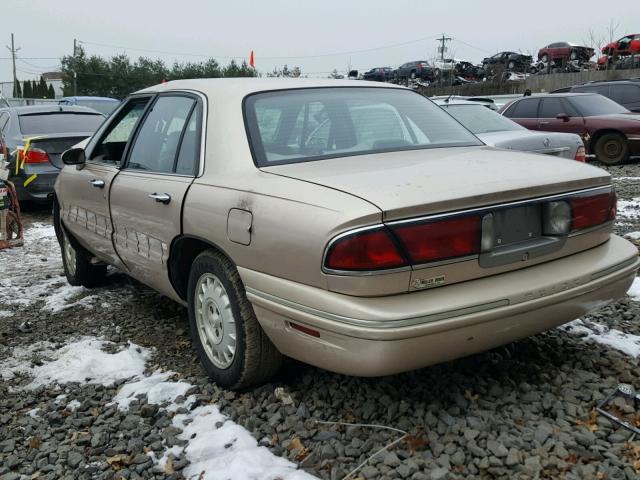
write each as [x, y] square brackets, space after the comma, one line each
[592, 105]
[524, 109]
[112, 144]
[102, 106]
[480, 119]
[601, 89]
[625, 93]
[190, 146]
[59, 122]
[318, 123]
[551, 107]
[157, 142]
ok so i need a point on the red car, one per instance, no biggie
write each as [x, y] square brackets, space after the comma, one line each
[627, 45]
[609, 131]
[564, 51]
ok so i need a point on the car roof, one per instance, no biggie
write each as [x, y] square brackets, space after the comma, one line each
[225, 88]
[35, 109]
[454, 101]
[595, 82]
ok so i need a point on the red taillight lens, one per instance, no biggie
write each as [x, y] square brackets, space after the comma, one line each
[581, 155]
[34, 155]
[427, 242]
[592, 210]
[370, 250]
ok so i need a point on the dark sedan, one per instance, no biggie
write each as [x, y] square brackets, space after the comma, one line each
[510, 60]
[379, 74]
[418, 70]
[35, 138]
[609, 131]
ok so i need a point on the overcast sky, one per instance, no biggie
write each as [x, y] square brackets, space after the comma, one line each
[317, 36]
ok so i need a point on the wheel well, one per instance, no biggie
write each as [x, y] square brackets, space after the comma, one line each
[184, 251]
[596, 136]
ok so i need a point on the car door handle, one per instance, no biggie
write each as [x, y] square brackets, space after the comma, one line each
[160, 197]
[543, 123]
[97, 183]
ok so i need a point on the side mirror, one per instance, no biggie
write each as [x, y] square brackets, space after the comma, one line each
[563, 116]
[73, 156]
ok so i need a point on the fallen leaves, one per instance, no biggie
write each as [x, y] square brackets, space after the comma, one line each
[470, 396]
[302, 451]
[35, 442]
[592, 422]
[416, 443]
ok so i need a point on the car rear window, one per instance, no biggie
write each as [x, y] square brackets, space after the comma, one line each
[290, 126]
[59, 122]
[480, 119]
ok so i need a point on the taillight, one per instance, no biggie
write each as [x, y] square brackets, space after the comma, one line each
[581, 155]
[33, 155]
[440, 240]
[368, 250]
[591, 210]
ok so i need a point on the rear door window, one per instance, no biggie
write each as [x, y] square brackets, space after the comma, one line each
[527, 108]
[156, 144]
[59, 122]
[625, 93]
[551, 107]
[189, 154]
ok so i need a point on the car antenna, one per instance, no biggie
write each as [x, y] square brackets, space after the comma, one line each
[448, 98]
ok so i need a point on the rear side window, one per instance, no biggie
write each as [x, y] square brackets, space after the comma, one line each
[551, 107]
[156, 145]
[189, 153]
[527, 108]
[290, 126]
[59, 123]
[601, 89]
[625, 93]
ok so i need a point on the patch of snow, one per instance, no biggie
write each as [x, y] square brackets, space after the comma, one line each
[619, 179]
[73, 405]
[629, 208]
[34, 412]
[156, 387]
[5, 314]
[217, 448]
[634, 290]
[633, 235]
[625, 342]
[82, 361]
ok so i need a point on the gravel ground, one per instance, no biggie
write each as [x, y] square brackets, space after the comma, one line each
[521, 411]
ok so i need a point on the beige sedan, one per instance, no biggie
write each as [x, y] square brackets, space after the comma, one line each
[354, 226]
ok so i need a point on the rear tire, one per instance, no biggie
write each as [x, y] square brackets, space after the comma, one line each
[233, 348]
[612, 149]
[76, 262]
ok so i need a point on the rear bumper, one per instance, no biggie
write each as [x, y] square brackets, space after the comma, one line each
[386, 335]
[38, 190]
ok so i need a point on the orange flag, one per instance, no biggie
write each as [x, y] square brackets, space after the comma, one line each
[251, 60]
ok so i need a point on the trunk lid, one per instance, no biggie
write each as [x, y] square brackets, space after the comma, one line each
[422, 182]
[547, 143]
[55, 144]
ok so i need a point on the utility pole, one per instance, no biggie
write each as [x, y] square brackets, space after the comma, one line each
[442, 47]
[75, 75]
[13, 51]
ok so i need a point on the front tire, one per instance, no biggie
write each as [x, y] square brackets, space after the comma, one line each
[612, 149]
[233, 348]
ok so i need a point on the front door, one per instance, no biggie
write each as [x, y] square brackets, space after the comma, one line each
[84, 190]
[147, 195]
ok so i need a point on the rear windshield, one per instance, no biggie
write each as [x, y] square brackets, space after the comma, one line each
[480, 119]
[59, 122]
[290, 126]
[101, 106]
[592, 105]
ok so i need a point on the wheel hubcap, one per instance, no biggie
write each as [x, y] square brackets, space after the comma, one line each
[69, 254]
[215, 321]
[612, 149]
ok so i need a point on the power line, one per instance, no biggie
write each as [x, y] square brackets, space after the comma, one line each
[281, 57]
[471, 46]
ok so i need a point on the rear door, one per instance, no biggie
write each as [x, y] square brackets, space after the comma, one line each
[147, 196]
[83, 191]
[549, 110]
[524, 112]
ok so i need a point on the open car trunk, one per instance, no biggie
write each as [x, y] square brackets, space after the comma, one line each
[55, 144]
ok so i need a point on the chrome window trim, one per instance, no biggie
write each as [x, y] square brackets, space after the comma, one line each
[438, 216]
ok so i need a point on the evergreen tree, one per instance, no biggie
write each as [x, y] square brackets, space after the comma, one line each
[51, 93]
[26, 89]
[18, 90]
[42, 88]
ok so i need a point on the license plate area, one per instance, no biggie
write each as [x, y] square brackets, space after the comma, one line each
[514, 235]
[518, 224]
